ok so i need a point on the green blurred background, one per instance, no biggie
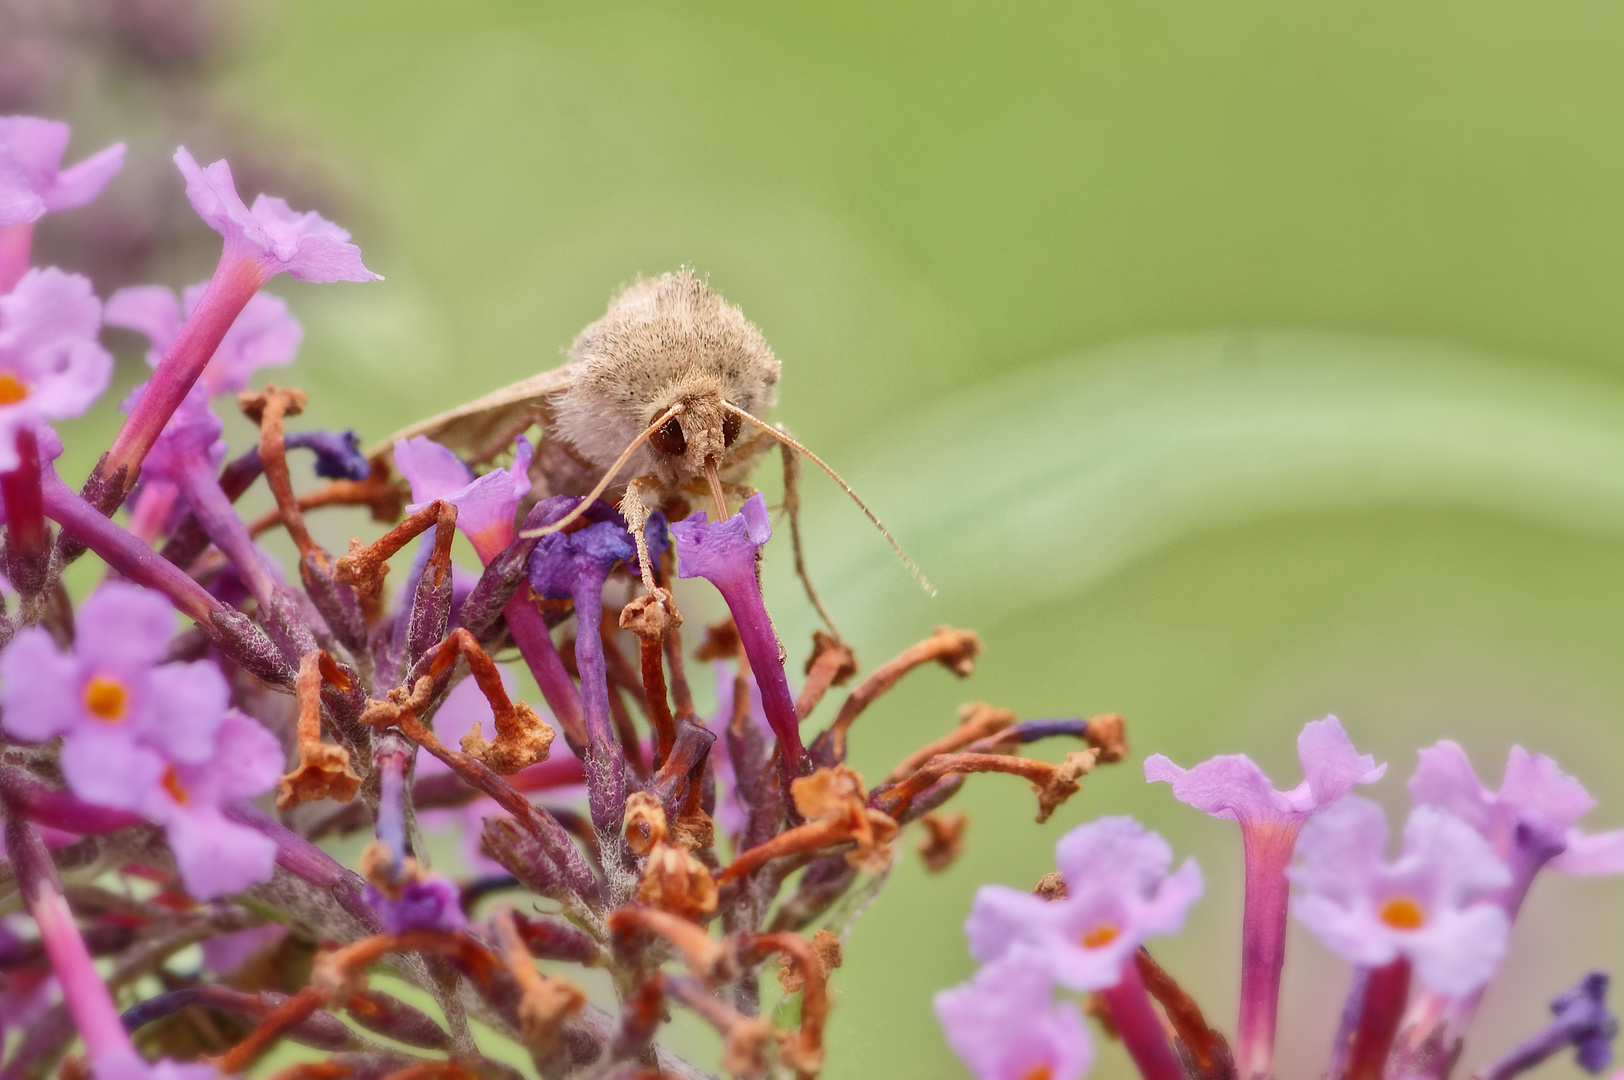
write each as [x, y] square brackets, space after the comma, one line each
[1226, 366]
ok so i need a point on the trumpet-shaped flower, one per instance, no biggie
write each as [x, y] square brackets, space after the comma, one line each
[1005, 1025]
[1119, 891]
[1429, 906]
[33, 182]
[265, 334]
[51, 365]
[486, 505]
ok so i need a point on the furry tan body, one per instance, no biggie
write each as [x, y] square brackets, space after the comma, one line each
[664, 341]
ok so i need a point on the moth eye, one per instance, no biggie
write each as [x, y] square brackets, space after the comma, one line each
[730, 428]
[669, 440]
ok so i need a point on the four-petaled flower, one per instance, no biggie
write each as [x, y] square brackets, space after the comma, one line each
[155, 739]
[486, 505]
[265, 334]
[33, 182]
[1427, 906]
[269, 238]
[1005, 1025]
[1118, 893]
[51, 364]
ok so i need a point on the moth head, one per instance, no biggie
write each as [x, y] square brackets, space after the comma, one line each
[700, 434]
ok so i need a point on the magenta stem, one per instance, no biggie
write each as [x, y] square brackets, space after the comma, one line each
[88, 1000]
[1141, 1029]
[235, 282]
[1382, 993]
[744, 600]
[1268, 846]
[154, 505]
[16, 243]
[124, 553]
[215, 513]
[30, 540]
[535, 644]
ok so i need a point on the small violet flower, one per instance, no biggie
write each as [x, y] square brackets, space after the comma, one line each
[51, 365]
[265, 334]
[1233, 787]
[1118, 893]
[1530, 821]
[155, 739]
[431, 902]
[1005, 1025]
[33, 182]
[486, 505]
[724, 553]
[1428, 906]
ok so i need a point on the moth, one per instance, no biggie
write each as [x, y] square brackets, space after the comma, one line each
[660, 398]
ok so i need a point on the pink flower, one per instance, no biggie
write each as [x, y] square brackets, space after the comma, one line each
[155, 739]
[486, 505]
[32, 180]
[1118, 893]
[1535, 796]
[1429, 906]
[264, 335]
[1005, 1025]
[129, 1065]
[269, 235]
[51, 365]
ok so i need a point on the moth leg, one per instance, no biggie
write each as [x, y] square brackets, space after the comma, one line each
[792, 507]
[635, 511]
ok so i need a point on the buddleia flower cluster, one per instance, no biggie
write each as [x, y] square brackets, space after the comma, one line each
[186, 732]
[1425, 927]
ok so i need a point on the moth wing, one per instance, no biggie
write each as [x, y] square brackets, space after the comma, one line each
[480, 429]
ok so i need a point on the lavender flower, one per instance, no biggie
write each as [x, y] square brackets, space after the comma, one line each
[1118, 893]
[1428, 907]
[51, 365]
[1233, 787]
[431, 902]
[486, 505]
[265, 334]
[1005, 1025]
[32, 180]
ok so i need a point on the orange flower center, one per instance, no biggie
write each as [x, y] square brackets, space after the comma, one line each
[1403, 913]
[172, 785]
[12, 389]
[106, 699]
[1038, 1072]
[1103, 934]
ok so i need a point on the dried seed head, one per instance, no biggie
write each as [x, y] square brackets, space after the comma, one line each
[675, 881]
[1107, 734]
[943, 840]
[1061, 784]
[644, 822]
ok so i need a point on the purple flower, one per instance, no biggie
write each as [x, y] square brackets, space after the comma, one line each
[264, 335]
[1233, 787]
[32, 180]
[1005, 1025]
[223, 954]
[1119, 893]
[1537, 805]
[724, 553]
[155, 739]
[269, 235]
[1427, 906]
[432, 902]
[51, 365]
[486, 505]
[193, 434]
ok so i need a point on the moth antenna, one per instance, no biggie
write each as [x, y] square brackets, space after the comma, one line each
[913, 568]
[608, 477]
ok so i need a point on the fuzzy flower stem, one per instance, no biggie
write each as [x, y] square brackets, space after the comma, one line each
[1141, 1029]
[86, 995]
[1381, 994]
[391, 823]
[535, 644]
[235, 282]
[16, 243]
[214, 511]
[1268, 847]
[126, 554]
[28, 547]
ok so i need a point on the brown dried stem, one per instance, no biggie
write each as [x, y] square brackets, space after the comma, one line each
[706, 957]
[324, 769]
[285, 1016]
[366, 565]
[314, 1070]
[378, 492]
[1208, 1048]
[268, 409]
[745, 1038]
[832, 663]
[652, 617]
[804, 1053]
[522, 737]
[434, 1070]
[1054, 784]
[955, 650]
[977, 721]
[545, 1003]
